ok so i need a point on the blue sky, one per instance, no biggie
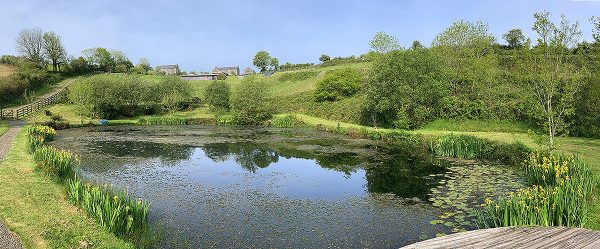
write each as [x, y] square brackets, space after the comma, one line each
[199, 35]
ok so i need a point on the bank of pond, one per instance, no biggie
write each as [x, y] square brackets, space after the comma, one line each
[256, 186]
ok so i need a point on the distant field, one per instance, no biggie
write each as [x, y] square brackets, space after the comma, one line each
[6, 70]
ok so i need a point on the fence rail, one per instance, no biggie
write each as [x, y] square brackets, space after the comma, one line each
[26, 110]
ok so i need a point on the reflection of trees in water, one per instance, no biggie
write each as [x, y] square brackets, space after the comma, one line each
[249, 156]
[143, 149]
[403, 176]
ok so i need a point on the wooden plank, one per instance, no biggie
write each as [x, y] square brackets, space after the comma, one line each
[522, 237]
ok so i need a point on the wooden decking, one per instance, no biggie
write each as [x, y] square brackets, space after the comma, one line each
[521, 237]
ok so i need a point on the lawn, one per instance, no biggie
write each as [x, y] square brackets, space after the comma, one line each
[34, 207]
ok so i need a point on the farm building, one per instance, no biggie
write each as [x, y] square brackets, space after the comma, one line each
[168, 69]
[229, 71]
[200, 76]
[249, 71]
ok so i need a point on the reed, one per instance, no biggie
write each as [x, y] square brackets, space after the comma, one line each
[56, 162]
[226, 120]
[46, 132]
[166, 120]
[460, 146]
[560, 195]
[115, 210]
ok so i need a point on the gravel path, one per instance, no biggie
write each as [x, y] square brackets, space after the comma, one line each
[8, 239]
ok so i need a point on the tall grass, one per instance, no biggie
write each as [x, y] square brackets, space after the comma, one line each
[56, 162]
[460, 146]
[114, 210]
[47, 133]
[164, 120]
[560, 195]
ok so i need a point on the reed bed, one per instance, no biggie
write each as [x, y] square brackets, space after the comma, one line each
[560, 195]
[46, 132]
[459, 146]
[56, 162]
[167, 120]
[288, 121]
[113, 209]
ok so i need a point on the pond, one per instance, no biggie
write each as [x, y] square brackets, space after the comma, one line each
[248, 187]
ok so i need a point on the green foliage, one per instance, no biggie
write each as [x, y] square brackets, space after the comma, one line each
[45, 132]
[338, 84]
[28, 77]
[249, 102]
[297, 76]
[560, 195]
[324, 58]
[115, 210]
[164, 120]
[264, 61]
[288, 121]
[471, 147]
[514, 38]
[384, 43]
[56, 162]
[405, 88]
[109, 96]
[217, 94]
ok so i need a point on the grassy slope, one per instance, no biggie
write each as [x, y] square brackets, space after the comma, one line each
[34, 207]
[41, 92]
[6, 70]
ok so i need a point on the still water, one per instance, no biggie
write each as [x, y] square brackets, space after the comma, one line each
[254, 187]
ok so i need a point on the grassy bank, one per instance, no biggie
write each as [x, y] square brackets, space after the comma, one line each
[35, 207]
[3, 126]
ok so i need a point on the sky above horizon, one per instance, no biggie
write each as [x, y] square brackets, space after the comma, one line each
[199, 35]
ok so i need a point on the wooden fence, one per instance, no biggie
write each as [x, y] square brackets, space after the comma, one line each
[26, 110]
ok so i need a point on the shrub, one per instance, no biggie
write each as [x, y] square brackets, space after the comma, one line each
[217, 94]
[114, 210]
[337, 84]
[250, 102]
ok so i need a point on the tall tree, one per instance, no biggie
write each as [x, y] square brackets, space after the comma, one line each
[514, 38]
[261, 60]
[416, 45]
[30, 44]
[553, 70]
[596, 27]
[324, 58]
[100, 58]
[54, 49]
[384, 43]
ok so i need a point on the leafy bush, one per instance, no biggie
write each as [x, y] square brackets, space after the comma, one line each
[337, 84]
[217, 94]
[297, 76]
[250, 102]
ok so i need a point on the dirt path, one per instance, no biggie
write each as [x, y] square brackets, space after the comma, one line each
[7, 238]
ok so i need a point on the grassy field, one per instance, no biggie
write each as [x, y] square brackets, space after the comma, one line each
[6, 70]
[34, 207]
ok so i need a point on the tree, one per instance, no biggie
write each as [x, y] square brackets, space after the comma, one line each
[250, 102]
[416, 45]
[274, 64]
[261, 60]
[100, 58]
[553, 72]
[405, 88]
[217, 94]
[30, 44]
[54, 49]
[79, 66]
[324, 58]
[514, 38]
[596, 28]
[383, 43]
[145, 64]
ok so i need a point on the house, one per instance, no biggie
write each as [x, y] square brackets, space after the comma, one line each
[201, 76]
[229, 71]
[249, 71]
[168, 69]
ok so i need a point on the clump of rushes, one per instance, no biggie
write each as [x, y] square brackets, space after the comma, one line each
[559, 197]
[288, 121]
[115, 210]
[46, 132]
[56, 162]
[34, 142]
[225, 120]
[168, 120]
[460, 146]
